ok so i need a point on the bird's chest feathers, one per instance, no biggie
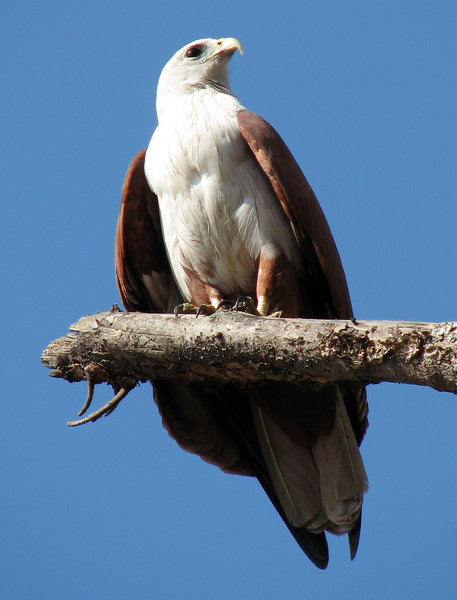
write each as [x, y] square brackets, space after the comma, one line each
[195, 149]
[210, 196]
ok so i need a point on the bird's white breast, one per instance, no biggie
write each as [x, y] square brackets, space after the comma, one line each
[217, 209]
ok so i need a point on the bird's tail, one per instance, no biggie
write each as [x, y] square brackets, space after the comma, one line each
[313, 459]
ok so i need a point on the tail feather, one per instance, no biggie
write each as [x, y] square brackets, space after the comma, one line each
[354, 536]
[292, 472]
[342, 474]
[314, 545]
[319, 479]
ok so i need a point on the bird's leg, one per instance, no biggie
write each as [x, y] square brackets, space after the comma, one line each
[263, 307]
[277, 288]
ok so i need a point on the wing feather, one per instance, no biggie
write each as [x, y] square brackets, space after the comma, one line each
[143, 274]
[293, 473]
[301, 207]
[325, 282]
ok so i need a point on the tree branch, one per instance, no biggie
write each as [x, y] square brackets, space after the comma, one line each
[124, 348]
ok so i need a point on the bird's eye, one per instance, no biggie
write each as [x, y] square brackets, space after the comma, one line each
[194, 52]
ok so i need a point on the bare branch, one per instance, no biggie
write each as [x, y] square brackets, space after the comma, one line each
[90, 395]
[124, 348]
[105, 410]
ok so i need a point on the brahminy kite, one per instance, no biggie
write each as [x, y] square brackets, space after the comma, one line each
[217, 209]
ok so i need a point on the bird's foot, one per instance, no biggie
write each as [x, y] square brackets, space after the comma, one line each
[186, 308]
[206, 309]
[225, 305]
[246, 304]
[190, 309]
[242, 304]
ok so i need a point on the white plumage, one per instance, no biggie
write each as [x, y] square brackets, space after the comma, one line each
[218, 211]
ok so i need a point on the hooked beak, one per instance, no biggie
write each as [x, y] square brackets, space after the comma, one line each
[228, 45]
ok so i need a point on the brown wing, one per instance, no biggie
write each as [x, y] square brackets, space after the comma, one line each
[142, 271]
[301, 207]
[324, 282]
[309, 439]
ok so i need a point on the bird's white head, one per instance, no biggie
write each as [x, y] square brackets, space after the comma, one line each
[200, 64]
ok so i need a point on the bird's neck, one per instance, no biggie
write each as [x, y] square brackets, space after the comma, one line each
[189, 104]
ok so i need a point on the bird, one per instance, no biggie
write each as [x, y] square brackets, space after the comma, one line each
[216, 209]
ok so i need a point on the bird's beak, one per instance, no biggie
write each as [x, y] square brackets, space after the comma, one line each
[228, 46]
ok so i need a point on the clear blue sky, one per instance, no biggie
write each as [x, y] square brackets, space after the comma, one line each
[365, 95]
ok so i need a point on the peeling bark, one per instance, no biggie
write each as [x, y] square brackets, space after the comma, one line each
[124, 348]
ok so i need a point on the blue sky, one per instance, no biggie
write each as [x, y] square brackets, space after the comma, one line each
[365, 96]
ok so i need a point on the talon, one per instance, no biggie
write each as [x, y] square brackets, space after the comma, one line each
[225, 305]
[246, 304]
[186, 308]
[106, 409]
[190, 309]
[206, 309]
